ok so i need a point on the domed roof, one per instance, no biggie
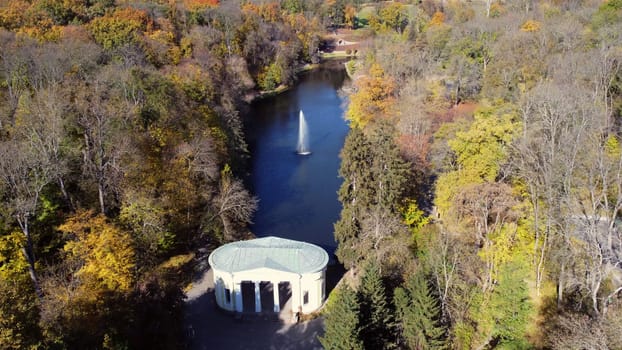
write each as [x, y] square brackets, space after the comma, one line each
[269, 252]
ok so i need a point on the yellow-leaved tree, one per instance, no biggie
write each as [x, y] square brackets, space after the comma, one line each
[106, 252]
[374, 97]
[19, 306]
[90, 292]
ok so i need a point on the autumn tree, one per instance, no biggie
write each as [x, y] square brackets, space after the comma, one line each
[19, 307]
[97, 274]
[394, 16]
[99, 118]
[373, 99]
[477, 153]
[121, 27]
[23, 176]
[14, 69]
[233, 205]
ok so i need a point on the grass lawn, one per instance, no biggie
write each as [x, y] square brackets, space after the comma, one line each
[335, 54]
[366, 12]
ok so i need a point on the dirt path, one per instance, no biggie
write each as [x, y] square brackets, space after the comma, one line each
[208, 327]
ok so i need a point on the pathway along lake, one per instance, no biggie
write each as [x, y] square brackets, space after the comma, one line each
[298, 193]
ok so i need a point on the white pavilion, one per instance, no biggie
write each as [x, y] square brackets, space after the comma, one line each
[261, 275]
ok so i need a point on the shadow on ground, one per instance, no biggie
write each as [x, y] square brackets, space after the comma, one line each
[208, 327]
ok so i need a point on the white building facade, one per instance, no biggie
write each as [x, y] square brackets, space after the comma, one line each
[261, 275]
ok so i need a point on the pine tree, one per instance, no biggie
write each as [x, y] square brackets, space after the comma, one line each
[401, 301]
[375, 316]
[341, 324]
[374, 181]
[510, 307]
[353, 194]
[418, 314]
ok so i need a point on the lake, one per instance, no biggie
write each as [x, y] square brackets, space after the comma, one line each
[298, 194]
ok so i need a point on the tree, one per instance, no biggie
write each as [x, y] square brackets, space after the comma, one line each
[374, 183]
[375, 316]
[120, 27]
[15, 64]
[146, 218]
[100, 118]
[23, 175]
[394, 16]
[19, 307]
[442, 259]
[479, 152]
[418, 314]
[488, 209]
[355, 166]
[373, 98]
[106, 253]
[96, 278]
[557, 122]
[233, 204]
[349, 16]
[41, 123]
[341, 324]
[509, 308]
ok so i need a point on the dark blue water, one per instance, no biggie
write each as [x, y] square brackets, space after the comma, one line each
[298, 194]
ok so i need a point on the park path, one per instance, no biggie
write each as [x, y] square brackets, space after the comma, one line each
[208, 327]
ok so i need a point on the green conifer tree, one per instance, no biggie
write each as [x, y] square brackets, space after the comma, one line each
[418, 315]
[355, 164]
[375, 316]
[374, 181]
[511, 308]
[341, 324]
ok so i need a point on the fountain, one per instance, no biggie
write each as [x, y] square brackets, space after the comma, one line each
[303, 135]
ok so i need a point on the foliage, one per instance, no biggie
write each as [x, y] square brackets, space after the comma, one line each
[437, 19]
[119, 28]
[509, 309]
[19, 307]
[374, 183]
[130, 109]
[478, 152]
[418, 314]
[608, 13]
[394, 16]
[414, 217]
[373, 98]
[106, 252]
[271, 78]
[341, 323]
[374, 317]
[530, 26]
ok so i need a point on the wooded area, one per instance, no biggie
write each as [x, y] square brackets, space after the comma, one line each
[121, 147]
[482, 178]
[482, 173]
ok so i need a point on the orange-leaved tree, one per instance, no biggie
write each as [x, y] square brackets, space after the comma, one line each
[373, 98]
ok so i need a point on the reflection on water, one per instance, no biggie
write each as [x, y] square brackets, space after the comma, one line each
[298, 194]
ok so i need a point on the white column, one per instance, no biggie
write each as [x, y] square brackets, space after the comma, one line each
[257, 297]
[295, 284]
[275, 295]
[237, 292]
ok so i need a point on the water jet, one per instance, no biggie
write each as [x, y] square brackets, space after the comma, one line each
[303, 136]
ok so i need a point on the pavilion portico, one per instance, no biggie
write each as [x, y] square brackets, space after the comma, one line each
[260, 275]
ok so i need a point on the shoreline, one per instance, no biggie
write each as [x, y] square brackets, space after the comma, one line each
[255, 95]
